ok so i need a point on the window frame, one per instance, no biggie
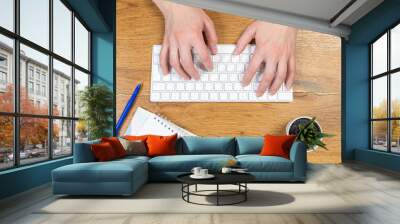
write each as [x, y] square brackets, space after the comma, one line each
[16, 114]
[388, 74]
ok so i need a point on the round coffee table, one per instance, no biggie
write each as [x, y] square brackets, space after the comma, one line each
[238, 179]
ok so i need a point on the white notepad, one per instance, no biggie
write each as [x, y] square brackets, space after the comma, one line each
[145, 122]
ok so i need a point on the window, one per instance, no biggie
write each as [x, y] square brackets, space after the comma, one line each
[49, 80]
[35, 21]
[7, 75]
[3, 78]
[30, 72]
[385, 92]
[7, 14]
[62, 31]
[81, 45]
[30, 87]
[3, 61]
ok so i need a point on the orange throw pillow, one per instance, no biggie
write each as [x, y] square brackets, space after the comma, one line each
[116, 145]
[136, 138]
[161, 145]
[277, 145]
[103, 152]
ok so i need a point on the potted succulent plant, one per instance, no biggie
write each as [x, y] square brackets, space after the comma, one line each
[308, 131]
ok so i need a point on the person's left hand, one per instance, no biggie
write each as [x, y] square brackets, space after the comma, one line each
[275, 49]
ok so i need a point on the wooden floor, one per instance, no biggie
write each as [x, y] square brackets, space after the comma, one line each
[379, 189]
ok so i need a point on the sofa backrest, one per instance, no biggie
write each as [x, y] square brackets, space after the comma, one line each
[193, 145]
[83, 152]
[249, 145]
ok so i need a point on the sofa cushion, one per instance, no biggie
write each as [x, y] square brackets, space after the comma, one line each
[277, 145]
[161, 145]
[104, 152]
[112, 171]
[249, 145]
[257, 163]
[135, 147]
[185, 163]
[193, 145]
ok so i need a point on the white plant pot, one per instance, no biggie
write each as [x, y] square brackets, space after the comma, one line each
[289, 124]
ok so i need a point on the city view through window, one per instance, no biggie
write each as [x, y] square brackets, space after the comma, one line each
[385, 91]
[39, 114]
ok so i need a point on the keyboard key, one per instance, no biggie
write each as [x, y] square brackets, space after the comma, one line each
[189, 86]
[244, 58]
[225, 49]
[204, 96]
[213, 96]
[184, 95]
[285, 96]
[223, 96]
[209, 86]
[199, 86]
[226, 58]
[218, 86]
[159, 86]
[175, 96]
[170, 86]
[237, 86]
[272, 97]
[223, 77]
[180, 86]
[228, 86]
[204, 77]
[216, 58]
[230, 68]
[194, 95]
[253, 96]
[214, 77]
[235, 58]
[164, 96]
[233, 77]
[243, 96]
[221, 68]
[155, 96]
[240, 68]
[233, 96]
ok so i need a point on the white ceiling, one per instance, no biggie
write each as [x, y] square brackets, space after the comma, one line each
[326, 16]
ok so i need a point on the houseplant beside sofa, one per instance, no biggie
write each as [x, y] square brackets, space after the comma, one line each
[126, 175]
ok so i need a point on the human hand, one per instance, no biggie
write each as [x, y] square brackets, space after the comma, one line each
[184, 28]
[275, 49]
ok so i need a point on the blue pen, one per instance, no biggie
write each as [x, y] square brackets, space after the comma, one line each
[128, 107]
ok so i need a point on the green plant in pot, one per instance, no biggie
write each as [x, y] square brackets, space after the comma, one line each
[96, 103]
[311, 135]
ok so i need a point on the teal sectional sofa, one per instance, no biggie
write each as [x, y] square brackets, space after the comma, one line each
[125, 176]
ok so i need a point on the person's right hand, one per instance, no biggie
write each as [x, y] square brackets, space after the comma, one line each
[186, 28]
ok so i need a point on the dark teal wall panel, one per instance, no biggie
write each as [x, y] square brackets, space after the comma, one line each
[103, 58]
[22, 179]
[356, 109]
[380, 159]
[357, 104]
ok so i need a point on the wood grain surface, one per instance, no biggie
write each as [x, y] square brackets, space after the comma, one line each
[317, 88]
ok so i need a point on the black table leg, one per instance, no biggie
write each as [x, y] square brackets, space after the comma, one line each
[245, 193]
[217, 194]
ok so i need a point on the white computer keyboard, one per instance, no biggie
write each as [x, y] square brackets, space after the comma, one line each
[220, 85]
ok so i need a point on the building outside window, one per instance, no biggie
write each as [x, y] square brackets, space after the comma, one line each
[385, 91]
[56, 129]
